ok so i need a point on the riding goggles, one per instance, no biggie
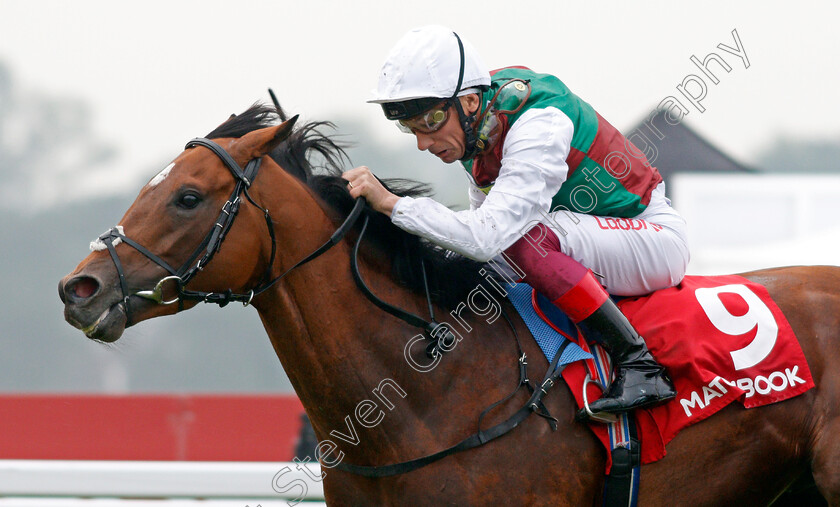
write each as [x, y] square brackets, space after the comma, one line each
[428, 121]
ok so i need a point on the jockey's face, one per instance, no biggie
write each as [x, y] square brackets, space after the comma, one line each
[448, 143]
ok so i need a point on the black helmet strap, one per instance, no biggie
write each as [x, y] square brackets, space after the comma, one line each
[467, 122]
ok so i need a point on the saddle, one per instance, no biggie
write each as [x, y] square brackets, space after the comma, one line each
[721, 338]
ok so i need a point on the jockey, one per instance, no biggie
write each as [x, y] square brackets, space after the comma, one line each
[553, 186]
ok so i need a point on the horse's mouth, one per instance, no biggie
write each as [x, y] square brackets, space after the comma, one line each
[98, 308]
[108, 327]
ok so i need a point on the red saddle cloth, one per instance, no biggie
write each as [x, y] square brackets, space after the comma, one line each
[721, 339]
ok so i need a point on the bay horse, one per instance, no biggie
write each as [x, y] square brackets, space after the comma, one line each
[349, 362]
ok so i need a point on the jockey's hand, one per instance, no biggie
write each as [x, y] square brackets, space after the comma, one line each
[362, 183]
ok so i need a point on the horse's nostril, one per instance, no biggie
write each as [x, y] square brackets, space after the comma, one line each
[81, 288]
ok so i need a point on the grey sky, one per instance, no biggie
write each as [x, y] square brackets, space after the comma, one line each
[159, 73]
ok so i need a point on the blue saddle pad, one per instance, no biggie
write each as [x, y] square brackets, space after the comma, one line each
[547, 338]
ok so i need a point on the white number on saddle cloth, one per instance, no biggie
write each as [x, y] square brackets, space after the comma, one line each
[758, 315]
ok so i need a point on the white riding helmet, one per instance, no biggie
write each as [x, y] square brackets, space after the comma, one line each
[426, 62]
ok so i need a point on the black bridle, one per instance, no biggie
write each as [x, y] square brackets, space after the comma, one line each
[442, 340]
[213, 241]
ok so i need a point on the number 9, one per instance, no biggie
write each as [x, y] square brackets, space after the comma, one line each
[758, 315]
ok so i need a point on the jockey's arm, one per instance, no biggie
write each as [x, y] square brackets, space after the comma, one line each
[476, 196]
[532, 170]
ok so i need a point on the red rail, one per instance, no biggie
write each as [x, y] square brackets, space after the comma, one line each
[150, 427]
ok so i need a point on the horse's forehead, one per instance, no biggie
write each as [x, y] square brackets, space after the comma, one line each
[191, 162]
[159, 177]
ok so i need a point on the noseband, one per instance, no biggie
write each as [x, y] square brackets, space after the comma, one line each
[213, 241]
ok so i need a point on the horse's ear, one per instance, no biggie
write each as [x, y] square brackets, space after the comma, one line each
[259, 142]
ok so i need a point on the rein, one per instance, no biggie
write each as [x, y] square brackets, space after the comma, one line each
[442, 339]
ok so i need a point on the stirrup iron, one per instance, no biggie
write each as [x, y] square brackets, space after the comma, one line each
[602, 417]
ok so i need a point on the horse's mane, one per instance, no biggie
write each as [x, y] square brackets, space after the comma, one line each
[317, 160]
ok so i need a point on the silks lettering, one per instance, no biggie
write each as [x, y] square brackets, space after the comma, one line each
[776, 381]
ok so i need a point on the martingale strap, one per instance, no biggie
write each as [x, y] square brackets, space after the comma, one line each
[432, 327]
[481, 437]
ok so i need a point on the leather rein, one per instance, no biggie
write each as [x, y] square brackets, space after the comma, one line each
[441, 339]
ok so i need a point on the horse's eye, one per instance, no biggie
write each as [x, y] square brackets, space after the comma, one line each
[188, 201]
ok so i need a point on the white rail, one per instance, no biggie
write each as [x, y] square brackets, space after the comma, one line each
[62, 483]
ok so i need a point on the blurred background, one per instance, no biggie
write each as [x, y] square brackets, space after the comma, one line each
[96, 97]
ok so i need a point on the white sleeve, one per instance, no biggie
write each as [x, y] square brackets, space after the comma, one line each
[533, 168]
[476, 196]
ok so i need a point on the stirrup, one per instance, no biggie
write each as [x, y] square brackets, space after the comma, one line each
[602, 417]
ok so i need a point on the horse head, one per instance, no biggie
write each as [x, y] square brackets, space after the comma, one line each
[171, 231]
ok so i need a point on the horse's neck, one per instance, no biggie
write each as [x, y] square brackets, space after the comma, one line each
[334, 345]
[345, 356]
[318, 316]
[346, 360]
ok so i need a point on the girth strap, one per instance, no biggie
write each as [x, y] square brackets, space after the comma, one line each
[621, 486]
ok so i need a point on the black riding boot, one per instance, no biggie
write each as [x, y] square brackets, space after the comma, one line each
[639, 380]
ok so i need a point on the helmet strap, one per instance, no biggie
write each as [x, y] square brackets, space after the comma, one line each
[467, 122]
[467, 125]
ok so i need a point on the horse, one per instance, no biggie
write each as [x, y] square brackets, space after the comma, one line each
[373, 394]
